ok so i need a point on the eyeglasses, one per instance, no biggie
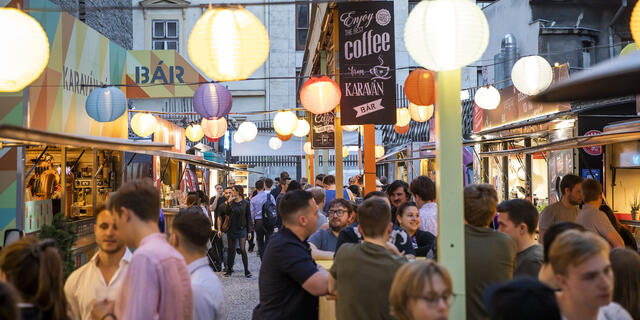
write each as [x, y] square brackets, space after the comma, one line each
[433, 299]
[337, 213]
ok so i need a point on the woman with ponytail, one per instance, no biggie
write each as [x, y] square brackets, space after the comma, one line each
[34, 268]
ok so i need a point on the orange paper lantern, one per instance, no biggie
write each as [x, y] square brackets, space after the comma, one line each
[284, 138]
[420, 87]
[214, 128]
[401, 130]
[320, 95]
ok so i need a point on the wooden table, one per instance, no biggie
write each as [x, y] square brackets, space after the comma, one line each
[326, 307]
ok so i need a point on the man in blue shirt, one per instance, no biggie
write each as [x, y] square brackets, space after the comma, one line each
[264, 194]
[323, 242]
[330, 193]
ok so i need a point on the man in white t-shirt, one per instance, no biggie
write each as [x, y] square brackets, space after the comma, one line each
[580, 262]
[424, 192]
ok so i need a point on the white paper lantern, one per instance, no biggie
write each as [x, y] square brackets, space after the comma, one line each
[302, 129]
[285, 123]
[345, 151]
[275, 143]
[25, 50]
[237, 138]
[446, 35]
[487, 98]
[143, 124]
[307, 148]
[228, 43]
[402, 117]
[248, 131]
[532, 75]
[420, 113]
[194, 132]
[350, 128]
[379, 151]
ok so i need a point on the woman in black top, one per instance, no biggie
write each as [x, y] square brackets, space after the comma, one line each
[409, 219]
[240, 227]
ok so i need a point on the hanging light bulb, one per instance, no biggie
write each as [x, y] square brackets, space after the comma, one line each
[302, 129]
[228, 43]
[487, 98]
[248, 131]
[379, 151]
[275, 143]
[403, 117]
[345, 151]
[307, 148]
[143, 124]
[532, 75]
[285, 123]
[237, 138]
[420, 113]
[25, 51]
[194, 132]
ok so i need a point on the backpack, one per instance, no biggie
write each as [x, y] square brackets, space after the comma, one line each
[269, 214]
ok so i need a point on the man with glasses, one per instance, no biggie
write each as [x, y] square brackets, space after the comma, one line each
[323, 242]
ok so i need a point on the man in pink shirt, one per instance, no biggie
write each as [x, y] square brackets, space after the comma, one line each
[157, 284]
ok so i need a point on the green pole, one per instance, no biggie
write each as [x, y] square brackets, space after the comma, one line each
[449, 184]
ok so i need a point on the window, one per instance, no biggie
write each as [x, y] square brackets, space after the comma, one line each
[302, 25]
[164, 35]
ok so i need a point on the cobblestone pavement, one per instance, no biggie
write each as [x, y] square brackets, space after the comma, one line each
[241, 294]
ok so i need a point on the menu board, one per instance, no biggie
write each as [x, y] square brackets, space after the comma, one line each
[322, 130]
[367, 62]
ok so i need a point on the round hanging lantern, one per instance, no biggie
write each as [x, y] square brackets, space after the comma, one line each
[215, 128]
[212, 100]
[228, 43]
[248, 131]
[284, 137]
[302, 129]
[379, 151]
[285, 123]
[345, 151]
[635, 23]
[532, 75]
[420, 87]
[420, 113]
[106, 104]
[237, 138]
[320, 95]
[446, 35]
[487, 98]
[194, 132]
[403, 117]
[212, 139]
[401, 130]
[275, 143]
[350, 128]
[26, 50]
[307, 148]
[631, 47]
[143, 124]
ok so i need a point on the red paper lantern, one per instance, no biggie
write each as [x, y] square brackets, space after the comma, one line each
[420, 87]
[212, 139]
[320, 95]
[284, 138]
[214, 128]
[401, 130]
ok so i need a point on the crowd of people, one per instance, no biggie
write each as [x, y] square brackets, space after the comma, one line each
[572, 261]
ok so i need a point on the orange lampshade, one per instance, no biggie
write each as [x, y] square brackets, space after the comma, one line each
[420, 87]
[401, 130]
[284, 138]
[635, 23]
[320, 95]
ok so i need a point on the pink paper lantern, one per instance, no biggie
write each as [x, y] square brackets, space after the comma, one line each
[215, 128]
[320, 95]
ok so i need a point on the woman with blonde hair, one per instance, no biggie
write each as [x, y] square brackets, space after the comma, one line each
[421, 290]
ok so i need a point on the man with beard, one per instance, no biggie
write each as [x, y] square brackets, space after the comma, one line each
[398, 193]
[567, 208]
[323, 242]
[101, 277]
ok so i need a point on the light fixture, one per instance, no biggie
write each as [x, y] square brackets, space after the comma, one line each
[212, 100]
[194, 132]
[634, 24]
[106, 104]
[275, 143]
[302, 129]
[285, 123]
[307, 148]
[403, 117]
[532, 75]
[487, 98]
[284, 137]
[420, 113]
[143, 124]
[320, 95]
[248, 131]
[350, 128]
[25, 51]
[401, 130]
[444, 35]
[237, 138]
[345, 151]
[214, 128]
[420, 87]
[379, 151]
[228, 43]
[631, 47]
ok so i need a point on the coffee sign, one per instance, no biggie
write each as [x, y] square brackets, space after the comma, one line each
[367, 63]
[322, 130]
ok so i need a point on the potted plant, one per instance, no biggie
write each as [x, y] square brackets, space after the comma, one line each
[635, 206]
[65, 236]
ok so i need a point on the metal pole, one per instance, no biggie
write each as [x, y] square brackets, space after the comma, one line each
[449, 187]
[505, 173]
[338, 126]
[528, 185]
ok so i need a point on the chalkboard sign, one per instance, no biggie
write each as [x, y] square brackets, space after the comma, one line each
[367, 62]
[322, 130]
